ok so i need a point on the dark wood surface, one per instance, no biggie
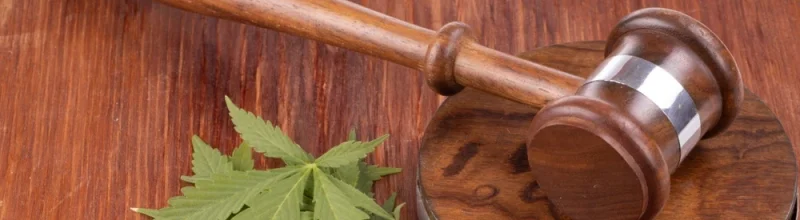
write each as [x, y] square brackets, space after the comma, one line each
[473, 162]
[98, 99]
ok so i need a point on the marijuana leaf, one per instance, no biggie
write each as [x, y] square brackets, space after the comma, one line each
[364, 183]
[330, 202]
[242, 157]
[307, 216]
[219, 196]
[359, 199]
[375, 172]
[336, 186]
[280, 202]
[388, 206]
[337, 200]
[370, 173]
[206, 161]
[348, 173]
[348, 152]
[360, 174]
[265, 137]
[352, 135]
[397, 210]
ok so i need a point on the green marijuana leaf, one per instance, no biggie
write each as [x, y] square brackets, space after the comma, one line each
[359, 199]
[370, 173]
[219, 196]
[242, 157]
[331, 203]
[364, 183]
[265, 137]
[307, 215]
[336, 186]
[348, 152]
[375, 172]
[336, 200]
[352, 135]
[281, 201]
[351, 173]
[206, 161]
[397, 211]
[348, 173]
[361, 175]
[388, 206]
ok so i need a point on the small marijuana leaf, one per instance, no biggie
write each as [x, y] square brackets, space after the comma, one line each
[331, 203]
[307, 215]
[388, 206]
[352, 135]
[219, 196]
[348, 173]
[242, 157]
[375, 172]
[364, 183]
[336, 186]
[359, 199]
[398, 210]
[336, 200]
[348, 152]
[370, 173]
[265, 137]
[206, 161]
[281, 201]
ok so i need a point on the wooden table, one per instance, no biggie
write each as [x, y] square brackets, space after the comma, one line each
[98, 99]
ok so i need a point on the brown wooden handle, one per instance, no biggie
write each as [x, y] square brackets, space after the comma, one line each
[450, 58]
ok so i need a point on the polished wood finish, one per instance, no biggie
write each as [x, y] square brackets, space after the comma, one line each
[607, 151]
[473, 162]
[708, 56]
[596, 160]
[98, 99]
[450, 58]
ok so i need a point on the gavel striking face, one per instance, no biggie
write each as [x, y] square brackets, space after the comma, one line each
[602, 147]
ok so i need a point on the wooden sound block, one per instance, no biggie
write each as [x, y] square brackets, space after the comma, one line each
[473, 162]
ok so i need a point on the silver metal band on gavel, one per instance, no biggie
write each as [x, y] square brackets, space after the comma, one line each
[660, 87]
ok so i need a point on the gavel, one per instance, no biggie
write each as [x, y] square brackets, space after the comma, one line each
[602, 147]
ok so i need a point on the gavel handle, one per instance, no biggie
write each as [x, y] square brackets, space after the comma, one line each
[450, 57]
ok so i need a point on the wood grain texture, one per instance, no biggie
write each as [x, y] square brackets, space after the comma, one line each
[449, 57]
[473, 157]
[98, 99]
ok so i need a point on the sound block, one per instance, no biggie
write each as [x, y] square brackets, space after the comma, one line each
[473, 162]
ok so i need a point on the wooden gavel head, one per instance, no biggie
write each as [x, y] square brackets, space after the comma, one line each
[607, 152]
